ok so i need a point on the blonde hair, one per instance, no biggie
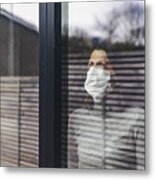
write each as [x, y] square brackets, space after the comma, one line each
[98, 54]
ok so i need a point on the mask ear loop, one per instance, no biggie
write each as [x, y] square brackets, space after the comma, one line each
[88, 66]
[112, 73]
[109, 67]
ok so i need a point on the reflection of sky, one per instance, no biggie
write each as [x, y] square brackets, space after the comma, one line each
[28, 12]
[83, 15]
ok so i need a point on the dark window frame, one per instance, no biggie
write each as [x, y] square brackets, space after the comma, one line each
[50, 85]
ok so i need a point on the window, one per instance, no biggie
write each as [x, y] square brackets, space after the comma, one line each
[106, 85]
[72, 85]
[19, 85]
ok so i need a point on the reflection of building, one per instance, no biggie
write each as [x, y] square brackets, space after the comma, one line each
[19, 121]
[19, 46]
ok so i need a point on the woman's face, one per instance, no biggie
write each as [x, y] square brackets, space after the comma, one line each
[98, 62]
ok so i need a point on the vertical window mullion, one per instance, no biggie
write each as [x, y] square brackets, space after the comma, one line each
[50, 85]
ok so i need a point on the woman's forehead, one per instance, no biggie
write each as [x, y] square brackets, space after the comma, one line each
[96, 60]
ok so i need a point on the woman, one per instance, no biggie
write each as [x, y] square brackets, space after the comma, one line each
[102, 138]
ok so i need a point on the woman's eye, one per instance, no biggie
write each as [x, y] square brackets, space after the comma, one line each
[99, 64]
[91, 64]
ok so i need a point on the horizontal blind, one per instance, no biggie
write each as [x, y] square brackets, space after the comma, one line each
[19, 143]
[122, 105]
[9, 118]
[29, 124]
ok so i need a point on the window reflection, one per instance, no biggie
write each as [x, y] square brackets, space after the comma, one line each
[19, 59]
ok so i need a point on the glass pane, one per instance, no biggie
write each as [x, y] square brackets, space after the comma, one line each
[19, 70]
[105, 85]
[64, 88]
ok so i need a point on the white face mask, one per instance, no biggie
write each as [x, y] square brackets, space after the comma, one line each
[96, 82]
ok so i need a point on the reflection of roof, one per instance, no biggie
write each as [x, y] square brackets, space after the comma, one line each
[18, 20]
